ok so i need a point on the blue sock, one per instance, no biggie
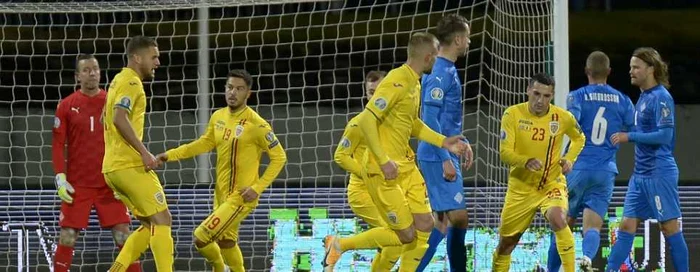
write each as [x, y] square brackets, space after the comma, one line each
[591, 242]
[553, 259]
[679, 251]
[620, 250]
[433, 241]
[456, 250]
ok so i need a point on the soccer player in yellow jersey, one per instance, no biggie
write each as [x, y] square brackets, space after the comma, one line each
[390, 172]
[128, 165]
[240, 136]
[349, 156]
[532, 134]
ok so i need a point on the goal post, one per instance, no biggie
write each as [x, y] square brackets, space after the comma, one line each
[308, 60]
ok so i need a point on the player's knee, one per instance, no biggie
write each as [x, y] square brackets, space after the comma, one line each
[120, 236]
[199, 243]
[507, 244]
[459, 219]
[670, 227]
[226, 243]
[423, 222]
[629, 225]
[556, 219]
[161, 218]
[68, 237]
[406, 236]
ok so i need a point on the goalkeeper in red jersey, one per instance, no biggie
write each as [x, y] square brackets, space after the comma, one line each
[78, 133]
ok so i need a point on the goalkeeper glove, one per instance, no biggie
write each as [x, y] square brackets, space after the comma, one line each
[64, 188]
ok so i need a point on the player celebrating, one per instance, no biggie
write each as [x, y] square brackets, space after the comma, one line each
[442, 111]
[531, 141]
[128, 165]
[653, 187]
[76, 120]
[601, 111]
[240, 136]
[392, 178]
[349, 155]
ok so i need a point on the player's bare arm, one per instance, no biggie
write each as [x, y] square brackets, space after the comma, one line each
[578, 140]
[121, 122]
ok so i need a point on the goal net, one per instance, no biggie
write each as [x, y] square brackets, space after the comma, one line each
[308, 59]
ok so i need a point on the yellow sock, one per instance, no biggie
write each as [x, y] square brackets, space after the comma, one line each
[136, 244]
[387, 258]
[375, 261]
[233, 258]
[372, 238]
[212, 253]
[501, 263]
[565, 247]
[412, 253]
[162, 247]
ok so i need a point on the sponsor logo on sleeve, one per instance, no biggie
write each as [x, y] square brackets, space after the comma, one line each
[270, 137]
[56, 122]
[380, 103]
[503, 135]
[125, 102]
[345, 142]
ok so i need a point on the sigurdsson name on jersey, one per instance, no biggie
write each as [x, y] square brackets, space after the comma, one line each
[602, 97]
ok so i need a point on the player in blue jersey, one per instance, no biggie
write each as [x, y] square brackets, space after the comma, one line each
[653, 187]
[601, 111]
[441, 110]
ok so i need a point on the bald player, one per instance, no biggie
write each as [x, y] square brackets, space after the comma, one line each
[601, 111]
[390, 172]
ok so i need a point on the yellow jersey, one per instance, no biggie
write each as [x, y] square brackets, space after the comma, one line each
[525, 136]
[126, 92]
[240, 138]
[395, 104]
[350, 150]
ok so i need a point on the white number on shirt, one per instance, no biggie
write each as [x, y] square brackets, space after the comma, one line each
[600, 126]
[92, 123]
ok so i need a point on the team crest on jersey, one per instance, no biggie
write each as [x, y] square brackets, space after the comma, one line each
[437, 94]
[56, 122]
[380, 103]
[239, 130]
[392, 217]
[160, 198]
[553, 127]
[345, 142]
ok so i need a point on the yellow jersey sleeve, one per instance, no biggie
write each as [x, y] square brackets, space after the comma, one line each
[205, 143]
[578, 139]
[388, 93]
[268, 142]
[424, 133]
[351, 140]
[129, 93]
[507, 148]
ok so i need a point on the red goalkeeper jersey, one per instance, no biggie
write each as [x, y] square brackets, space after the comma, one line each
[78, 132]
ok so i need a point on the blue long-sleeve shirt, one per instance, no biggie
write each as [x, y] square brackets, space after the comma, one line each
[441, 107]
[653, 134]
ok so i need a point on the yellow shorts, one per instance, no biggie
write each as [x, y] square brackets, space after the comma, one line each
[139, 190]
[223, 223]
[520, 208]
[397, 200]
[361, 203]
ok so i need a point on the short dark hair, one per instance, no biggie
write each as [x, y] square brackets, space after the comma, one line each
[238, 73]
[139, 42]
[449, 26]
[374, 75]
[541, 78]
[82, 57]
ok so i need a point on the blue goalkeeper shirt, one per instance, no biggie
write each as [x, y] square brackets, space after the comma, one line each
[441, 107]
[653, 134]
[601, 111]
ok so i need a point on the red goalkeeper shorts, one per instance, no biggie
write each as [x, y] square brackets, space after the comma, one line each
[110, 211]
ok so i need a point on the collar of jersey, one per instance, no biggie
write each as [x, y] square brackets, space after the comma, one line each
[131, 72]
[412, 74]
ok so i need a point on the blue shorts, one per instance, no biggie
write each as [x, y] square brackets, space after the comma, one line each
[591, 189]
[653, 197]
[444, 195]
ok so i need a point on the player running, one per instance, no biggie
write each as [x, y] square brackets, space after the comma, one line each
[653, 187]
[77, 131]
[240, 136]
[532, 134]
[128, 165]
[391, 175]
[442, 111]
[601, 111]
[348, 155]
